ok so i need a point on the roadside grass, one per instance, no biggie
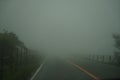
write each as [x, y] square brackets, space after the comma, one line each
[24, 71]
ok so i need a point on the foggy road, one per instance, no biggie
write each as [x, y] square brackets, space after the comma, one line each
[31, 30]
[101, 70]
[58, 69]
[61, 70]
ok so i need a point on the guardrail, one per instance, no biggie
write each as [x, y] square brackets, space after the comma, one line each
[13, 61]
[104, 58]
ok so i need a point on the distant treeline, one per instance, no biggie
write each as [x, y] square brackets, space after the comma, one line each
[117, 46]
[111, 59]
[17, 62]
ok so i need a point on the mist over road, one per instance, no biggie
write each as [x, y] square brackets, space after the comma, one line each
[65, 28]
[62, 69]
[58, 69]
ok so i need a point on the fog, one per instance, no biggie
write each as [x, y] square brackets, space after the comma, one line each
[63, 26]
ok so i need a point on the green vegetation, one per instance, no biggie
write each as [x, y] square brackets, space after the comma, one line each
[17, 62]
[117, 45]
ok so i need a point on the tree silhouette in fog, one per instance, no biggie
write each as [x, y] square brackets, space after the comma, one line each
[9, 53]
[117, 45]
[17, 62]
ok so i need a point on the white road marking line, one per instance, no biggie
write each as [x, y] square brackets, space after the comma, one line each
[38, 70]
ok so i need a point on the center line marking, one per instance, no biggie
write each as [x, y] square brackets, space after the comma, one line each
[85, 71]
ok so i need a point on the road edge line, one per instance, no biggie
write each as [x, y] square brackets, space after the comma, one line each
[39, 68]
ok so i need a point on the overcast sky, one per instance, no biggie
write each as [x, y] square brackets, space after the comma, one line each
[63, 26]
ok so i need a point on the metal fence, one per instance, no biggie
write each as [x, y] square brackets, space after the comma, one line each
[104, 58]
[12, 62]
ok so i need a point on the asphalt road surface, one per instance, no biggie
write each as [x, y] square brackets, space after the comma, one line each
[61, 69]
[99, 69]
[58, 69]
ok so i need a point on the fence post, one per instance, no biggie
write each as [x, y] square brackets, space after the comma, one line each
[93, 57]
[89, 57]
[1, 65]
[109, 58]
[17, 58]
[103, 58]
